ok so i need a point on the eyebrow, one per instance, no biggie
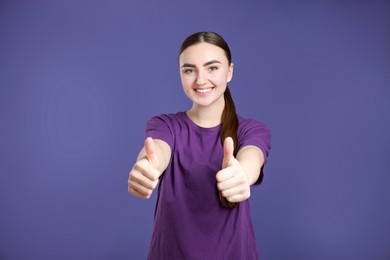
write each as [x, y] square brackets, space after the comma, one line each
[204, 65]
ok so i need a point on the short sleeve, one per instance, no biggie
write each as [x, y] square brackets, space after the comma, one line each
[161, 127]
[252, 132]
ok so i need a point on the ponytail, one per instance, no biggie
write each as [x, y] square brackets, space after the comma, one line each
[229, 120]
[229, 128]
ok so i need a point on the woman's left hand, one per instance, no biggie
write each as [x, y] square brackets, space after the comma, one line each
[232, 180]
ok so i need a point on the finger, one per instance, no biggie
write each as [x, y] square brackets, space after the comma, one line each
[235, 191]
[238, 197]
[224, 175]
[139, 188]
[136, 176]
[150, 151]
[146, 169]
[139, 192]
[228, 149]
[229, 184]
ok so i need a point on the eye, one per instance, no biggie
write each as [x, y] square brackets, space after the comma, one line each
[213, 68]
[188, 71]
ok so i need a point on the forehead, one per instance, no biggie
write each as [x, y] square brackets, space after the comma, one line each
[201, 53]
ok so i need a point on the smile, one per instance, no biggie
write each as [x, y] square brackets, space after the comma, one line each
[204, 90]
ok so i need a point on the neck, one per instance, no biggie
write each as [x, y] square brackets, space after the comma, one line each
[209, 116]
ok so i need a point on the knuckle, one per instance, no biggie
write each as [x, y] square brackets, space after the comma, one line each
[247, 194]
[153, 185]
[153, 175]
[139, 166]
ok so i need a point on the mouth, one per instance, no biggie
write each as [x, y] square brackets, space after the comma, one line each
[203, 90]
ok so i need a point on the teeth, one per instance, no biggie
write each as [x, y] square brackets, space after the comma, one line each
[203, 90]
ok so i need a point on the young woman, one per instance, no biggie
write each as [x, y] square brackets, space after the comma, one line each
[205, 160]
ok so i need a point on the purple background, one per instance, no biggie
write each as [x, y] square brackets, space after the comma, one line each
[78, 80]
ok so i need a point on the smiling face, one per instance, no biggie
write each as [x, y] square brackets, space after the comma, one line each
[205, 72]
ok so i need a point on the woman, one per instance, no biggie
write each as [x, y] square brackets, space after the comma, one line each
[205, 160]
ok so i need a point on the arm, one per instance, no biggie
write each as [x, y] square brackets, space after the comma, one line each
[251, 159]
[152, 161]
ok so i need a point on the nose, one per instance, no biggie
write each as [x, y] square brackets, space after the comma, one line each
[201, 78]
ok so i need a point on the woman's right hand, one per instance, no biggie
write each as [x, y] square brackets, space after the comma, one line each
[143, 177]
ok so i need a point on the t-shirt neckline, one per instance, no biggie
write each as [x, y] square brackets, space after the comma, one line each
[194, 126]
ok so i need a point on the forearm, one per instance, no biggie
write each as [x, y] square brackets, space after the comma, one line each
[251, 160]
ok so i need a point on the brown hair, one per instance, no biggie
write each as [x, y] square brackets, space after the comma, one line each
[229, 119]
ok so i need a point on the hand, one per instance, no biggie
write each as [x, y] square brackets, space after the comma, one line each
[232, 180]
[143, 178]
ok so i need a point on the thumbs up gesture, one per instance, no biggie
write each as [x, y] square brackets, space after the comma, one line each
[232, 181]
[143, 177]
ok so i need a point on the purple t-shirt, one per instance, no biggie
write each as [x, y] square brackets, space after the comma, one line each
[189, 221]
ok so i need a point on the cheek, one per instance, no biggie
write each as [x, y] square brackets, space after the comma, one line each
[221, 78]
[187, 81]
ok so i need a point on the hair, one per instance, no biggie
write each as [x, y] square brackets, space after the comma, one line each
[229, 119]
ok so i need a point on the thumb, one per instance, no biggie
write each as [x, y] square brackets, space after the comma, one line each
[150, 151]
[228, 149]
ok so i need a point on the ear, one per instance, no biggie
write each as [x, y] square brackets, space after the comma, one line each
[230, 72]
